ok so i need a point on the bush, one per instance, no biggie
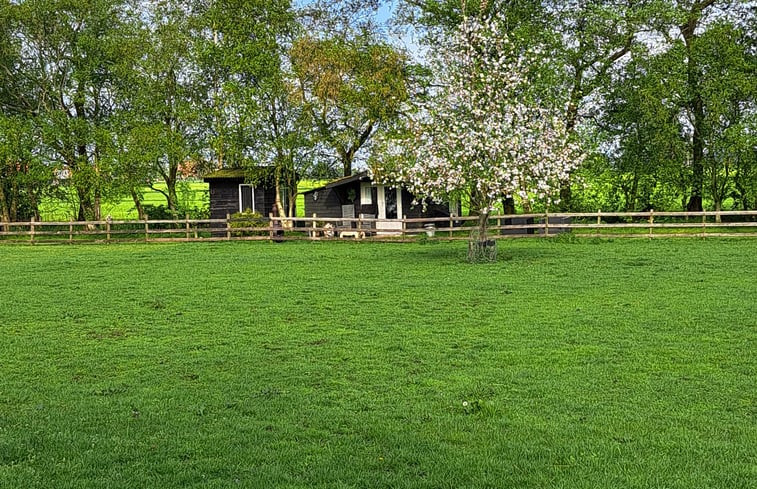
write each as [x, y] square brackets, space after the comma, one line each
[161, 212]
[248, 219]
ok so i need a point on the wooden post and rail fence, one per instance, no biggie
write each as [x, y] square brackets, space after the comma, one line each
[599, 224]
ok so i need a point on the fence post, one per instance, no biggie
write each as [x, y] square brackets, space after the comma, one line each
[70, 230]
[228, 226]
[359, 224]
[404, 226]
[314, 233]
[651, 222]
[270, 225]
[31, 231]
[599, 217]
[186, 220]
[704, 223]
[450, 225]
[107, 229]
[147, 228]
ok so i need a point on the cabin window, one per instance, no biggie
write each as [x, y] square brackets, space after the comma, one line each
[246, 198]
[366, 196]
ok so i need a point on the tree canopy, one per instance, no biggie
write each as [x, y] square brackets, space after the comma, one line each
[101, 98]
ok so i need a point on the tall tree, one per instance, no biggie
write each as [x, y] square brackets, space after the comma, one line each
[70, 49]
[349, 87]
[483, 135]
[163, 99]
[681, 25]
[240, 50]
[698, 70]
[729, 93]
[585, 42]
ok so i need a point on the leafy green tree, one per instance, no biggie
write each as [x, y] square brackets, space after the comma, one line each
[681, 108]
[285, 139]
[160, 123]
[238, 52]
[71, 49]
[349, 88]
[691, 28]
[254, 119]
[642, 121]
[729, 92]
[24, 178]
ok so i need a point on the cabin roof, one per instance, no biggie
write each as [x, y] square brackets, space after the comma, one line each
[363, 175]
[225, 173]
[240, 173]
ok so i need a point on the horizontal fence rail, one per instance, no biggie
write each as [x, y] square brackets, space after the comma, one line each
[649, 224]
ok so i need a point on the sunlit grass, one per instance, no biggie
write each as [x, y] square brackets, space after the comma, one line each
[565, 364]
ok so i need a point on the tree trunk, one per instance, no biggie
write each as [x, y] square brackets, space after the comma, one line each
[634, 195]
[13, 205]
[173, 197]
[346, 164]
[696, 106]
[483, 226]
[277, 200]
[697, 161]
[34, 205]
[97, 205]
[171, 181]
[4, 211]
[85, 204]
[138, 204]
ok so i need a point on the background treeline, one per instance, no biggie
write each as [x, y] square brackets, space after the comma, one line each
[100, 98]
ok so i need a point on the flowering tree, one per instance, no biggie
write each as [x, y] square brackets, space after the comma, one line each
[484, 134]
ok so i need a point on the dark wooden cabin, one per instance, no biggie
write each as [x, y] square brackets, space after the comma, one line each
[357, 194]
[233, 190]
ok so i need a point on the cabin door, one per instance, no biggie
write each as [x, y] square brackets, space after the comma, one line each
[389, 209]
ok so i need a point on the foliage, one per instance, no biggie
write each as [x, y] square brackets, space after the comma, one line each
[112, 95]
[248, 219]
[349, 87]
[484, 136]
[24, 179]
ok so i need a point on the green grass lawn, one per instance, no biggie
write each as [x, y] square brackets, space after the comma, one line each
[581, 364]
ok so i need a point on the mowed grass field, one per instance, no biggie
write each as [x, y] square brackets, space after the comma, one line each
[581, 364]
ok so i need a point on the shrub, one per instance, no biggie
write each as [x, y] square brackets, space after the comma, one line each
[248, 219]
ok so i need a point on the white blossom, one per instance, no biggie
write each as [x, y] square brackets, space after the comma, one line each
[481, 135]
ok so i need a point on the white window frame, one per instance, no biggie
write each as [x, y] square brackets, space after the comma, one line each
[366, 193]
[252, 188]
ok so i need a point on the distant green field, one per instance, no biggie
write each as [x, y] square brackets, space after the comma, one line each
[191, 195]
[588, 364]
